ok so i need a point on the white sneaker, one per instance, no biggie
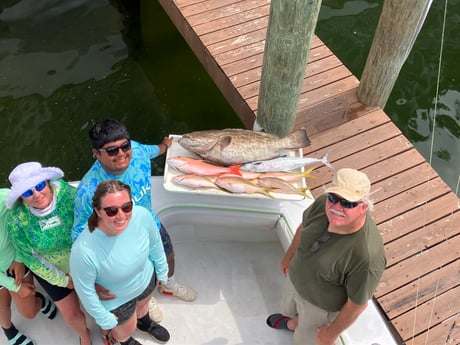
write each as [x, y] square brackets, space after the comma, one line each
[181, 291]
[155, 312]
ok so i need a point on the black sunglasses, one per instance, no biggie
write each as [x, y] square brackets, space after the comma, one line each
[334, 199]
[113, 150]
[319, 242]
[112, 211]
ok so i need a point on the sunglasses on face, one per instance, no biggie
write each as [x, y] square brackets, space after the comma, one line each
[334, 199]
[113, 150]
[39, 187]
[112, 211]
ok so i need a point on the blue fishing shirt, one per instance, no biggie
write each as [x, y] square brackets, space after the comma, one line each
[137, 176]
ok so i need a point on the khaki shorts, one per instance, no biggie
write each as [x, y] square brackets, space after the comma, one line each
[310, 316]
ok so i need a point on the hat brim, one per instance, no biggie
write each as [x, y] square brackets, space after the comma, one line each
[42, 174]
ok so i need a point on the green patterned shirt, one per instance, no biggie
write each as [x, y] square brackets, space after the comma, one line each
[43, 243]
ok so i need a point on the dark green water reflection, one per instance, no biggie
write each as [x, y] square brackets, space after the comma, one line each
[65, 64]
[347, 28]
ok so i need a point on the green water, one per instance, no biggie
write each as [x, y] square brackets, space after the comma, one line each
[66, 64]
[347, 28]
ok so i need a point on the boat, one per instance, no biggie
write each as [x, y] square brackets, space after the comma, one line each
[229, 249]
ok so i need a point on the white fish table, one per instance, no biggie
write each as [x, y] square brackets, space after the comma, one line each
[177, 150]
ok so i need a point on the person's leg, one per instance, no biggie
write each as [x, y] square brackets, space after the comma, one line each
[69, 307]
[146, 324]
[173, 288]
[5, 308]
[310, 318]
[124, 331]
[287, 319]
[13, 335]
[67, 302]
[28, 306]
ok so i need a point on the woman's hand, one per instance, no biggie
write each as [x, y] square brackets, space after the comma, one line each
[26, 290]
[17, 270]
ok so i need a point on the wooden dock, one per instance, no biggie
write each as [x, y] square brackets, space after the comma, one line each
[417, 213]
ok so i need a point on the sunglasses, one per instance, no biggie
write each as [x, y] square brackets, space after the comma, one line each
[319, 242]
[113, 150]
[112, 211]
[334, 199]
[39, 187]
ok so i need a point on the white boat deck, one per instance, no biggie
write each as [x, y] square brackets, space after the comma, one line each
[230, 253]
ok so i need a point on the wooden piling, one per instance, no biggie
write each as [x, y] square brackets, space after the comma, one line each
[398, 27]
[290, 31]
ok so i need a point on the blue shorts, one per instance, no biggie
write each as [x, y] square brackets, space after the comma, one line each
[167, 244]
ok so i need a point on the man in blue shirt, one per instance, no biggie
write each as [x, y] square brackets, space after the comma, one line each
[120, 158]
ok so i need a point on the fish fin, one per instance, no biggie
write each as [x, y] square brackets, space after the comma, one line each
[325, 160]
[235, 170]
[225, 141]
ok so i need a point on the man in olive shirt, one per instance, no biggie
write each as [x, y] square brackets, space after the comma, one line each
[333, 264]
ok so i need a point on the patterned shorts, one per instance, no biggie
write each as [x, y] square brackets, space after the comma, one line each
[125, 311]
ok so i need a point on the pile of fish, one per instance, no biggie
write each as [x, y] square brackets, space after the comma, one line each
[196, 173]
[242, 161]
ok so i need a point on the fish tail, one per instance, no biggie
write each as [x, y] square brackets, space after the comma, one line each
[305, 193]
[325, 160]
[266, 192]
[235, 170]
[299, 138]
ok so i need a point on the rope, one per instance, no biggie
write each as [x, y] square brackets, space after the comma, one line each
[441, 48]
[430, 161]
[437, 82]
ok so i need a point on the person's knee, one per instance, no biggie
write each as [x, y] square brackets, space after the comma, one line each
[124, 331]
[29, 313]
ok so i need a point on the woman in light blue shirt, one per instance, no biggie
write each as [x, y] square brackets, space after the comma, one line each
[121, 250]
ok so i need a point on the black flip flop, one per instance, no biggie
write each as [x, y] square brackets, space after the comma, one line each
[278, 321]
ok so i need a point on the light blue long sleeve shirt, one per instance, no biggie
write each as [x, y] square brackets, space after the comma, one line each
[124, 264]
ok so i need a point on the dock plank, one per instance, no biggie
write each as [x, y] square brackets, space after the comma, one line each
[416, 212]
[429, 314]
[421, 290]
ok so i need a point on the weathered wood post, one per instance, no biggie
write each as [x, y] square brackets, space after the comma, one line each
[398, 27]
[291, 27]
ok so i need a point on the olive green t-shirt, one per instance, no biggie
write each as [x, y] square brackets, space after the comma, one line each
[336, 267]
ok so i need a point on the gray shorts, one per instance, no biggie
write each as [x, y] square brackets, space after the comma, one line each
[125, 311]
